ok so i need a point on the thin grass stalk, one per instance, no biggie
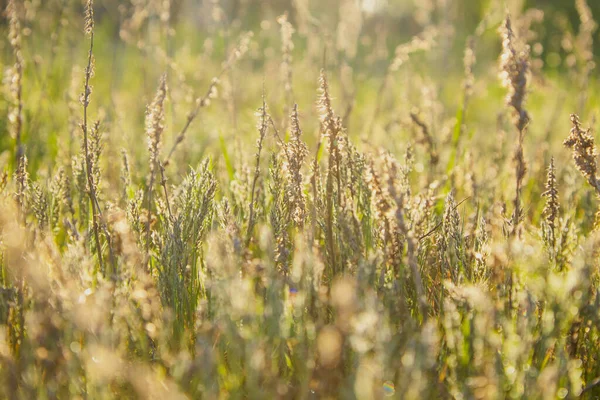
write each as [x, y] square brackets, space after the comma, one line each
[262, 129]
[514, 71]
[89, 29]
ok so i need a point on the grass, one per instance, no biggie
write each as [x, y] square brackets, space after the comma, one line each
[310, 208]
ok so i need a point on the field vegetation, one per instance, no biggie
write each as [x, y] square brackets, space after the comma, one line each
[299, 200]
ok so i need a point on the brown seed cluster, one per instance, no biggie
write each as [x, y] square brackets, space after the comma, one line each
[581, 142]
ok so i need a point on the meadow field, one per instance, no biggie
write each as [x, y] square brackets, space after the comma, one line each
[294, 199]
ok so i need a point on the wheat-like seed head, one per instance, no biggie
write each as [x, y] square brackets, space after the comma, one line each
[552, 204]
[324, 103]
[584, 151]
[296, 152]
[22, 177]
[331, 127]
[14, 25]
[95, 150]
[89, 17]
[451, 221]
[155, 115]
[514, 71]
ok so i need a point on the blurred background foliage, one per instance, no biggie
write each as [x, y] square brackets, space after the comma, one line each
[401, 19]
[355, 40]
[132, 50]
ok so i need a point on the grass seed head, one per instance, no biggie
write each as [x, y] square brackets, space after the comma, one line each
[514, 71]
[581, 142]
[89, 17]
[155, 114]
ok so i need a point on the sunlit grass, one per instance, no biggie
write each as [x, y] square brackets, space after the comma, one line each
[305, 205]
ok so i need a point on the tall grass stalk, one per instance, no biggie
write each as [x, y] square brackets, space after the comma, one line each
[85, 100]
